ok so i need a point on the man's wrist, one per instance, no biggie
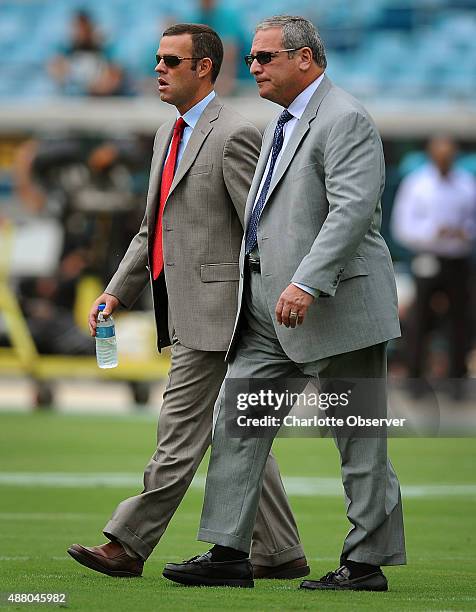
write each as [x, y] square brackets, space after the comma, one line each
[314, 292]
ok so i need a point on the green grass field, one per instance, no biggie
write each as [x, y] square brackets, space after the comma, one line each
[40, 518]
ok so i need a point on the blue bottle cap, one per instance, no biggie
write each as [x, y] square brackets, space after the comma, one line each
[101, 307]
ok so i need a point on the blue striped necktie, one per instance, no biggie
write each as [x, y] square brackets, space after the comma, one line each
[252, 229]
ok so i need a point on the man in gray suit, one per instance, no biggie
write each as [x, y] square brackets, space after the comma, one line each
[317, 299]
[188, 247]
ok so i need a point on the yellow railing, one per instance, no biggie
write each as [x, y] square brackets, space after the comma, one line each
[23, 358]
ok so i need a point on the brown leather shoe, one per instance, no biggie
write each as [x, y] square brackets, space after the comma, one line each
[110, 559]
[297, 568]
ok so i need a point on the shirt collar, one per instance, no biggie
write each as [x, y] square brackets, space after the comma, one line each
[298, 105]
[192, 116]
[435, 174]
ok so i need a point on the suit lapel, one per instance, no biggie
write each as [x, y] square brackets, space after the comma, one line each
[199, 134]
[156, 174]
[298, 134]
[260, 168]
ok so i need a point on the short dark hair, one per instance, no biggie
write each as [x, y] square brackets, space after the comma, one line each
[205, 43]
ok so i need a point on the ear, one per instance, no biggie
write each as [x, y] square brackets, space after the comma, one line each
[306, 58]
[204, 67]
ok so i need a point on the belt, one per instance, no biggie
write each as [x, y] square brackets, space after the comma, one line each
[254, 265]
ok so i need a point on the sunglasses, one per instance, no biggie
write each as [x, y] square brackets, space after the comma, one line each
[172, 61]
[264, 57]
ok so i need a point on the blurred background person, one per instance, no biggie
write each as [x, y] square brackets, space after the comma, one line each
[226, 20]
[83, 66]
[91, 185]
[91, 190]
[434, 216]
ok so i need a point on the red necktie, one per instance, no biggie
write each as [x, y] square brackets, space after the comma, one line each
[165, 184]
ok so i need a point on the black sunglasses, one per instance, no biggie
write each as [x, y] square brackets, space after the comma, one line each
[172, 61]
[264, 57]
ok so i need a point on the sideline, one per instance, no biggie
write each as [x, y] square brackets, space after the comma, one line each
[295, 485]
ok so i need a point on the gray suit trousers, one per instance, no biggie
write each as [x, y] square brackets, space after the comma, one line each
[235, 473]
[183, 436]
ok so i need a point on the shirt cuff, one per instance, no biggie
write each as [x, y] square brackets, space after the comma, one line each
[310, 290]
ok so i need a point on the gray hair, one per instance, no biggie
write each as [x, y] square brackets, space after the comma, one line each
[297, 32]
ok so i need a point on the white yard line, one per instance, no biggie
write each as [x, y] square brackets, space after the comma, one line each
[295, 485]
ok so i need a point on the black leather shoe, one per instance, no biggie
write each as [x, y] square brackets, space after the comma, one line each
[340, 580]
[202, 571]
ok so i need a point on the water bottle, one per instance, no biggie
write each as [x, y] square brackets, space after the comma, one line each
[106, 346]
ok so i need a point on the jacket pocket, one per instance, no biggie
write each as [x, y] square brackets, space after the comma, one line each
[216, 272]
[355, 267]
[306, 171]
[200, 169]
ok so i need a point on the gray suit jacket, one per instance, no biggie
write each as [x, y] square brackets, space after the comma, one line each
[321, 227]
[196, 298]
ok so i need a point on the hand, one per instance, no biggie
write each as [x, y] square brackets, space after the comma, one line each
[103, 158]
[111, 304]
[292, 299]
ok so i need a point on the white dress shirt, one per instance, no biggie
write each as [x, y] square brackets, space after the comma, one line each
[428, 202]
[191, 118]
[296, 108]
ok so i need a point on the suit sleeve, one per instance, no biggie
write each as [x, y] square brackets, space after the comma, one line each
[354, 177]
[132, 274]
[240, 155]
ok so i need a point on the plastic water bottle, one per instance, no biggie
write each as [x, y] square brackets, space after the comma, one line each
[106, 346]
